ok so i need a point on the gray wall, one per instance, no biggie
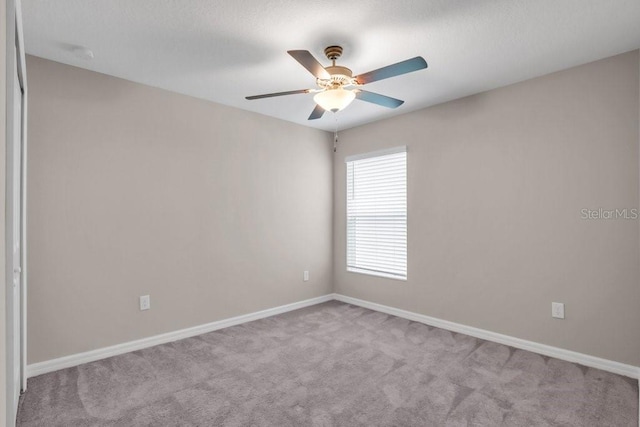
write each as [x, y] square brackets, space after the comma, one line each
[213, 211]
[496, 184]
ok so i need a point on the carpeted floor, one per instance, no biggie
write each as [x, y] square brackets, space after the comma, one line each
[330, 365]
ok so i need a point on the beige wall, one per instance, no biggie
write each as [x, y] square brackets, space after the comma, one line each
[3, 143]
[213, 211]
[135, 190]
[496, 184]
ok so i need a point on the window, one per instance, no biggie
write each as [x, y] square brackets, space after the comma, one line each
[377, 213]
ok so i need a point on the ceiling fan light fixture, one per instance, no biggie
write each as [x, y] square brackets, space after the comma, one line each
[334, 99]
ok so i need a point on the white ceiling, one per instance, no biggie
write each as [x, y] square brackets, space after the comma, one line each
[225, 50]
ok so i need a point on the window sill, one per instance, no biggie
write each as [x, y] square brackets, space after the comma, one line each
[377, 274]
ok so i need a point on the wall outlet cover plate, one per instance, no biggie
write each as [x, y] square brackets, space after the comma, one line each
[557, 310]
[145, 302]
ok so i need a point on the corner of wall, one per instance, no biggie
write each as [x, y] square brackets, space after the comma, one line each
[334, 149]
[3, 40]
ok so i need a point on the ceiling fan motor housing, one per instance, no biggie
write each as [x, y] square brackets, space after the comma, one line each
[340, 76]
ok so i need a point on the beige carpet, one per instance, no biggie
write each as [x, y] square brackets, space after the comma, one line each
[330, 365]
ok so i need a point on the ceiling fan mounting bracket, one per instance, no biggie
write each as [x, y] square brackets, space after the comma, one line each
[333, 52]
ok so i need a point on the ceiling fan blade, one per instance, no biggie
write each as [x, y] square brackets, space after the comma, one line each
[376, 98]
[316, 113]
[404, 67]
[270, 95]
[307, 60]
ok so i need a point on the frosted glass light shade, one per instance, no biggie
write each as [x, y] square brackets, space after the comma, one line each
[334, 99]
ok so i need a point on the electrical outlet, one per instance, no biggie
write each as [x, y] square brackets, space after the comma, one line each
[557, 310]
[305, 276]
[145, 302]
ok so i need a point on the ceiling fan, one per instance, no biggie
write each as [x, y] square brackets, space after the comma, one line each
[337, 86]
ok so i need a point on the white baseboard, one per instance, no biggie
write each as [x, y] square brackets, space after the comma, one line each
[547, 350]
[102, 353]
[559, 353]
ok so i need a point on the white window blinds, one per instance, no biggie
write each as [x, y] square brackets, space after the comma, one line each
[377, 213]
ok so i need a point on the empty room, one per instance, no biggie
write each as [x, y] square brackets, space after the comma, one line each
[286, 213]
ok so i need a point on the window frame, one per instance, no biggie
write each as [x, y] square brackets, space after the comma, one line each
[368, 155]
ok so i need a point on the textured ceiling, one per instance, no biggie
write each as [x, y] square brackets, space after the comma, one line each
[225, 50]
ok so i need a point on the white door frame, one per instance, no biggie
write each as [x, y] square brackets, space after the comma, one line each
[16, 322]
[22, 75]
